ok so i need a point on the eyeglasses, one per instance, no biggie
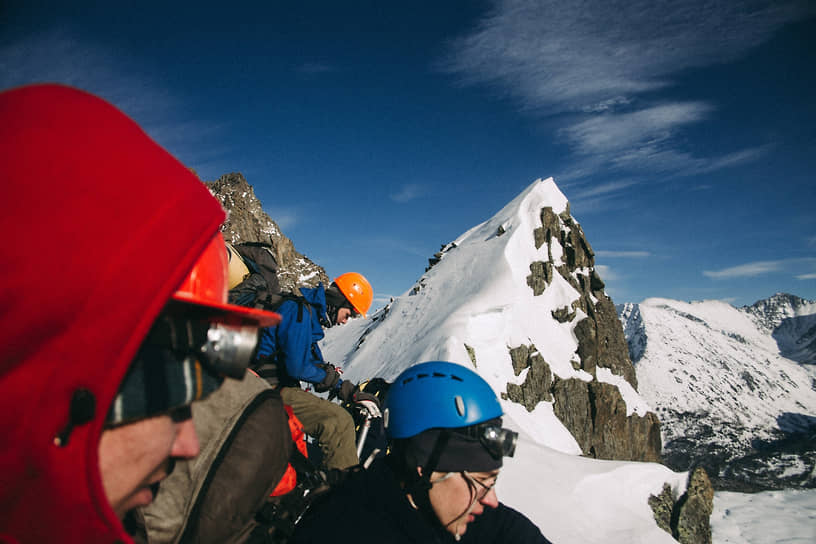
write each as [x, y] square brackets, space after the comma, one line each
[482, 489]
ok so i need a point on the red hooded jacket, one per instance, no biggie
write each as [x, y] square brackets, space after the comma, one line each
[101, 225]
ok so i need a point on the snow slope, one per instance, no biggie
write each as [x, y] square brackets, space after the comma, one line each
[770, 517]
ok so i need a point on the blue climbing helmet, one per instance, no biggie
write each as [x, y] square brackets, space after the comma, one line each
[438, 394]
[444, 413]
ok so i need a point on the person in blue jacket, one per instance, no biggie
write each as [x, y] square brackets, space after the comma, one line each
[436, 485]
[289, 354]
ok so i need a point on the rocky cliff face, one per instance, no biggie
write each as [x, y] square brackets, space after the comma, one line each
[687, 518]
[594, 412]
[247, 222]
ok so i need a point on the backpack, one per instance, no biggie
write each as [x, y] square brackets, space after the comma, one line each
[251, 482]
[246, 444]
[261, 287]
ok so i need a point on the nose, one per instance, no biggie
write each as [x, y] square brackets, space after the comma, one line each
[490, 499]
[186, 444]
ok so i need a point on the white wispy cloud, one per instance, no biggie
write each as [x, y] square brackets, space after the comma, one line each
[747, 270]
[597, 59]
[806, 276]
[615, 132]
[408, 192]
[603, 189]
[663, 159]
[606, 273]
[284, 217]
[576, 55]
[758, 268]
[623, 254]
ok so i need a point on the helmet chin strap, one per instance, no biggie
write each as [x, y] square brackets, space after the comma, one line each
[330, 318]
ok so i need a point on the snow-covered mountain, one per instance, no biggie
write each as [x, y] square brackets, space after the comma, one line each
[517, 299]
[792, 323]
[727, 397]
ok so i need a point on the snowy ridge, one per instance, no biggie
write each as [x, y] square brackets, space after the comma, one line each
[475, 303]
[470, 307]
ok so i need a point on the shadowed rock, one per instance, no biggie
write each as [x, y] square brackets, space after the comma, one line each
[687, 519]
[247, 222]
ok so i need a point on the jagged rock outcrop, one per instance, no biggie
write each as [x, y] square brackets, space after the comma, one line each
[687, 518]
[594, 412]
[538, 382]
[247, 222]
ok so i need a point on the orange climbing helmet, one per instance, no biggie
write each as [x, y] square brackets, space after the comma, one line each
[357, 290]
[206, 286]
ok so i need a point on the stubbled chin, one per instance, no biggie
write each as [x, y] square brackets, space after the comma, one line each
[142, 497]
[462, 526]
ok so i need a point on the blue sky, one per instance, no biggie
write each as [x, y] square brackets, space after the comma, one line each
[683, 133]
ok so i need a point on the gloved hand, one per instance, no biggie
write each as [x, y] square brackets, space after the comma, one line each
[349, 392]
[345, 390]
[330, 381]
[369, 402]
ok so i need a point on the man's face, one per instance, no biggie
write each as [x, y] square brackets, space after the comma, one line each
[134, 456]
[343, 315]
[460, 497]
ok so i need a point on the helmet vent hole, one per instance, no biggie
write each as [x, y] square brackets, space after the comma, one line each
[460, 405]
[457, 378]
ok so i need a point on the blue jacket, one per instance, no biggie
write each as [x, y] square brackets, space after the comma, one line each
[293, 343]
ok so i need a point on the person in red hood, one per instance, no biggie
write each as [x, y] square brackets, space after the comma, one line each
[113, 315]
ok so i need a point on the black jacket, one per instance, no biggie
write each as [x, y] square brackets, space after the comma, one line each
[370, 505]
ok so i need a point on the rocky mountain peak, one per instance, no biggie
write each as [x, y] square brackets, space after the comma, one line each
[247, 222]
[518, 298]
[770, 312]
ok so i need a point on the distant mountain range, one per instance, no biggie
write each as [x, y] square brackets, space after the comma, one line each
[735, 388]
